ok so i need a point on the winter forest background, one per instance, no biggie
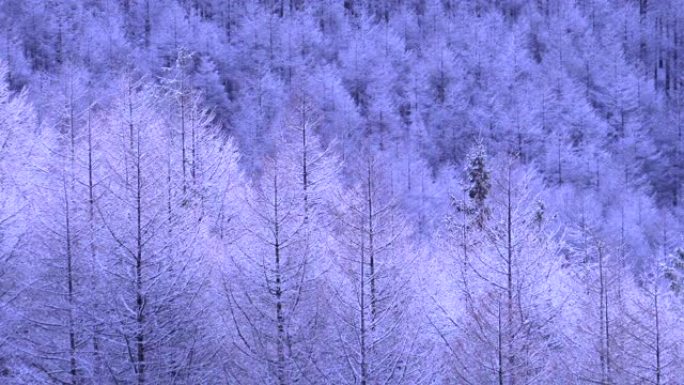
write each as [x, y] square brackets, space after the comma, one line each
[341, 192]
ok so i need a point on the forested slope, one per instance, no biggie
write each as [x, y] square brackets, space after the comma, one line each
[341, 192]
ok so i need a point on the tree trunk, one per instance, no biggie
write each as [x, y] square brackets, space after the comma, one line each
[139, 293]
[280, 320]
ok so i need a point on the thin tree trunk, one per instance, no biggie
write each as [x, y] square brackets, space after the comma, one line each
[605, 336]
[73, 370]
[499, 344]
[509, 281]
[280, 320]
[362, 295]
[657, 335]
[139, 295]
[371, 251]
[91, 228]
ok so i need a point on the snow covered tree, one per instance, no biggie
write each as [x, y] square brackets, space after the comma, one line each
[267, 283]
[510, 282]
[154, 325]
[282, 254]
[64, 314]
[377, 338]
[653, 326]
[598, 335]
[478, 184]
[18, 134]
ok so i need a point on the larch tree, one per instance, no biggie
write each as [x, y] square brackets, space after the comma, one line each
[377, 336]
[267, 279]
[316, 169]
[653, 322]
[653, 348]
[285, 250]
[598, 336]
[507, 281]
[64, 316]
[154, 324]
[18, 131]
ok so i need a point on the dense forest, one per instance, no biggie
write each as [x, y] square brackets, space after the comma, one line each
[359, 192]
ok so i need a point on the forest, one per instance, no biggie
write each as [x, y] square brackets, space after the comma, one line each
[341, 192]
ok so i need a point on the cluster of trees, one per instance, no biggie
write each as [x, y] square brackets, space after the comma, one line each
[341, 192]
[144, 255]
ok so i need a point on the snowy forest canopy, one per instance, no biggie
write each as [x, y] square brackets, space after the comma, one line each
[341, 192]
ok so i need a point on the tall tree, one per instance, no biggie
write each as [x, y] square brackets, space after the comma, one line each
[376, 336]
[18, 129]
[63, 237]
[509, 284]
[267, 287]
[154, 327]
